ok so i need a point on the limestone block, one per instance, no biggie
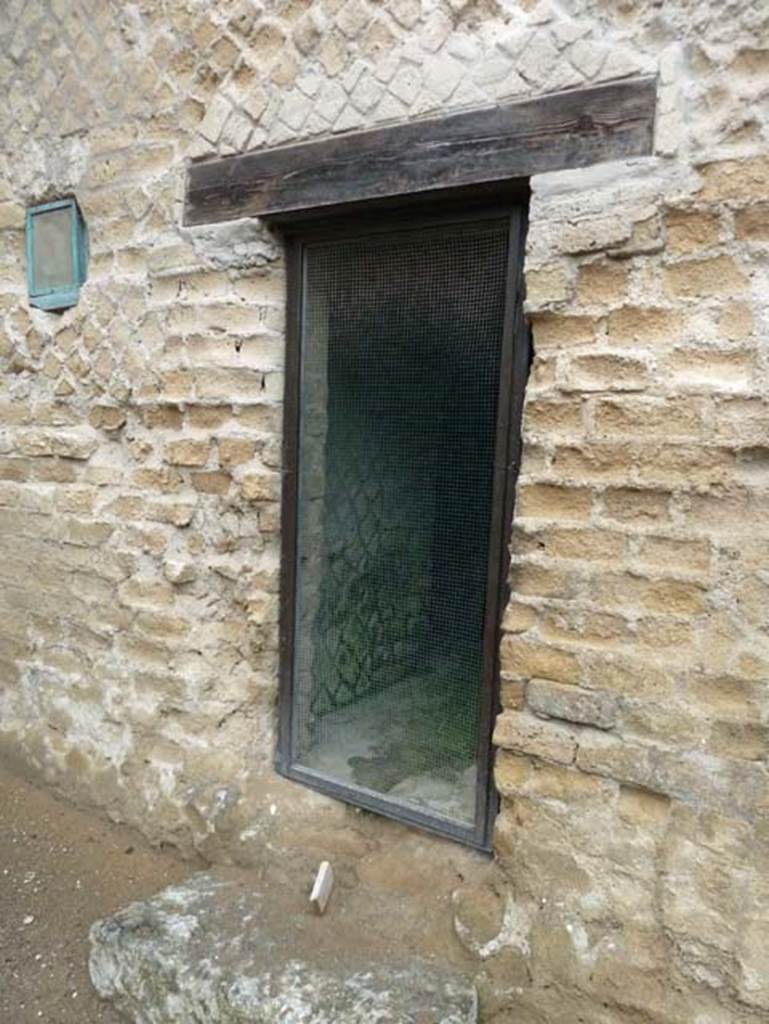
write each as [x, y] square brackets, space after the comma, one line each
[591, 234]
[642, 325]
[263, 486]
[736, 320]
[526, 659]
[548, 284]
[692, 230]
[741, 180]
[524, 734]
[405, 12]
[187, 452]
[511, 693]
[207, 416]
[109, 418]
[674, 553]
[213, 482]
[604, 372]
[551, 501]
[632, 417]
[606, 461]
[572, 703]
[710, 369]
[586, 544]
[137, 593]
[214, 949]
[752, 224]
[67, 444]
[554, 331]
[11, 217]
[518, 618]
[511, 771]
[704, 278]
[603, 283]
[530, 579]
[553, 417]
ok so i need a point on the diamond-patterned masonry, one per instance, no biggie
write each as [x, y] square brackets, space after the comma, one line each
[140, 468]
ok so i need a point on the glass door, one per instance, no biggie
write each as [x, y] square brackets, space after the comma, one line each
[404, 360]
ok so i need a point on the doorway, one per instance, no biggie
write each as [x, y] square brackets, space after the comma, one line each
[407, 358]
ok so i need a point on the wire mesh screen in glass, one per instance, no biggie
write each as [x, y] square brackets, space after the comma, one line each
[401, 343]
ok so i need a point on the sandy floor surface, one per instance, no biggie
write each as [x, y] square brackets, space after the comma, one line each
[61, 869]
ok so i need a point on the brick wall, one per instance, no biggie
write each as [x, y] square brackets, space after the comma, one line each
[140, 461]
[635, 654]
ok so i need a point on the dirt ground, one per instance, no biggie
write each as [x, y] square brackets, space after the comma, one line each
[60, 870]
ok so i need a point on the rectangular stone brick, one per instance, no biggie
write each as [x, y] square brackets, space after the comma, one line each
[532, 580]
[552, 330]
[692, 230]
[752, 224]
[222, 385]
[705, 278]
[547, 285]
[736, 321]
[138, 593]
[214, 482]
[67, 444]
[187, 452]
[263, 486]
[550, 501]
[160, 478]
[692, 776]
[596, 461]
[674, 597]
[676, 637]
[604, 372]
[207, 417]
[685, 466]
[525, 734]
[629, 673]
[710, 369]
[635, 505]
[511, 693]
[643, 325]
[263, 419]
[740, 180]
[589, 234]
[15, 469]
[630, 416]
[572, 703]
[553, 417]
[594, 629]
[602, 284]
[674, 553]
[590, 544]
[164, 416]
[233, 451]
[518, 617]
[511, 772]
[526, 659]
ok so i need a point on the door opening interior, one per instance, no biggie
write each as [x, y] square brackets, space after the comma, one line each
[407, 360]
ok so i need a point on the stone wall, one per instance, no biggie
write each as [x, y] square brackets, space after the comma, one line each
[140, 466]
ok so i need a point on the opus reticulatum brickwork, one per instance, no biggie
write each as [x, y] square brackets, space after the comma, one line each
[140, 468]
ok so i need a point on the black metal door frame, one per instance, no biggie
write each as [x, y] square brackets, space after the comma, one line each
[514, 363]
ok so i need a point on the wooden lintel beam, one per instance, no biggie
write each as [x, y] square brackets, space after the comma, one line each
[516, 140]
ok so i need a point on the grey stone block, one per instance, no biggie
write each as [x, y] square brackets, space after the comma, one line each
[217, 950]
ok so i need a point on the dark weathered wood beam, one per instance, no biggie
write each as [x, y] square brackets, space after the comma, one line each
[567, 129]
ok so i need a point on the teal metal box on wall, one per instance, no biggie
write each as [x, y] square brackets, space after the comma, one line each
[57, 254]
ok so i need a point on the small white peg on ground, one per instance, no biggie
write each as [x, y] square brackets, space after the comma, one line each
[321, 890]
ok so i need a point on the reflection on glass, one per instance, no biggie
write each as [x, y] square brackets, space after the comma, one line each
[52, 250]
[401, 349]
